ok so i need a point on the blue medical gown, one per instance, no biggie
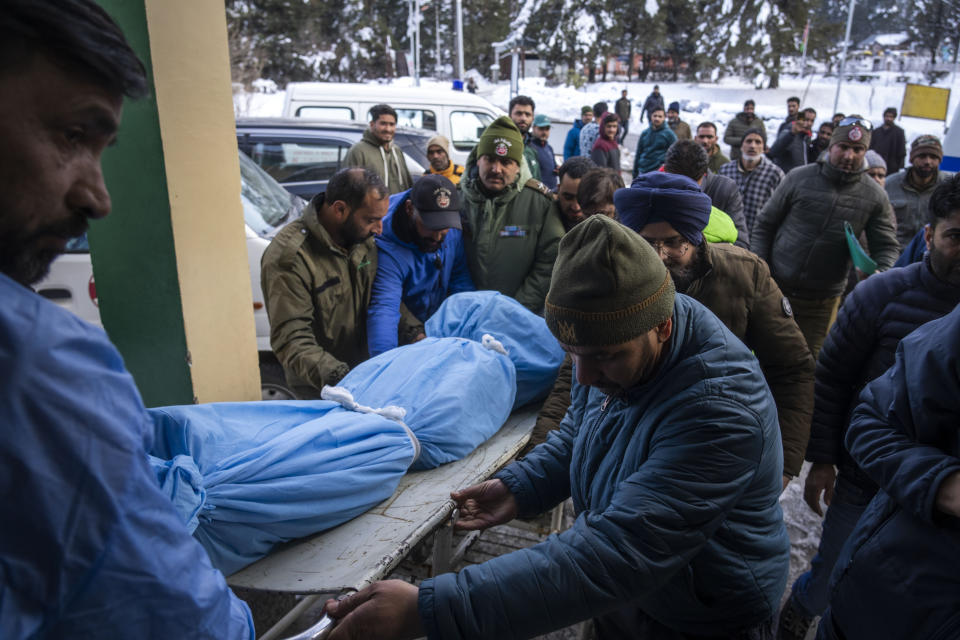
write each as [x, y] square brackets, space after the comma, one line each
[248, 475]
[89, 546]
[535, 353]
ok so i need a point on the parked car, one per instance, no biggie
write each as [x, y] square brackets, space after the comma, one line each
[266, 208]
[458, 115]
[302, 155]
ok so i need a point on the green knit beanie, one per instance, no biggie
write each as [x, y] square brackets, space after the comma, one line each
[608, 286]
[501, 139]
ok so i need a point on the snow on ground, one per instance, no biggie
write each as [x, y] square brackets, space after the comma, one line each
[714, 102]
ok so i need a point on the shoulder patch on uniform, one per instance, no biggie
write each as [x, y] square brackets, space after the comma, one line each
[286, 244]
[785, 305]
[536, 185]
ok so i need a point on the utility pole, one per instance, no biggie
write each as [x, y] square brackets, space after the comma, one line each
[843, 55]
[436, 15]
[460, 67]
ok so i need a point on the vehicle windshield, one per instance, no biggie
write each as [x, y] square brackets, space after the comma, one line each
[266, 205]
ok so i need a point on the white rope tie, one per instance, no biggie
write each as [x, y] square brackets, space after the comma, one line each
[489, 342]
[344, 398]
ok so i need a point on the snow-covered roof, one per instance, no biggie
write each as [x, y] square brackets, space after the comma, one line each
[885, 39]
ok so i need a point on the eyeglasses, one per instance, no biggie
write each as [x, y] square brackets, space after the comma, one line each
[676, 246]
[860, 122]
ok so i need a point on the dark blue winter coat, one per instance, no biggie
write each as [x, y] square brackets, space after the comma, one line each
[571, 146]
[675, 483]
[861, 345]
[407, 274]
[652, 148]
[547, 160]
[914, 251]
[897, 577]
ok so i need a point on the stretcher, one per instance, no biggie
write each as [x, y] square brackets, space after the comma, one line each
[366, 549]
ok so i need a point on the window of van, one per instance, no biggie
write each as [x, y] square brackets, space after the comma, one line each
[466, 127]
[419, 118]
[326, 113]
[299, 161]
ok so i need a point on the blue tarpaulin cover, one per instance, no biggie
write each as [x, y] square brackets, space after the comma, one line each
[534, 351]
[248, 475]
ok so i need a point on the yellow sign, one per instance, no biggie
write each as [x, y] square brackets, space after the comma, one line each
[921, 101]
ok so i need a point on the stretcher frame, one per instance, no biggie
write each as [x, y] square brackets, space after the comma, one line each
[366, 549]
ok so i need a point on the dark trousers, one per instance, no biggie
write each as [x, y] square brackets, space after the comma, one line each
[814, 317]
[624, 127]
[633, 624]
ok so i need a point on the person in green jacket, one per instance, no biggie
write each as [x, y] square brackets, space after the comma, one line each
[317, 275]
[511, 230]
[376, 153]
[521, 109]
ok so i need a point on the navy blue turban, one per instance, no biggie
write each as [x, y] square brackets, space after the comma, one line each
[664, 197]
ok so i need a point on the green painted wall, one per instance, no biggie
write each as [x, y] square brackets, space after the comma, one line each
[134, 261]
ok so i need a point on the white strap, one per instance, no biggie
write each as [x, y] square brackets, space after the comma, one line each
[489, 342]
[386, 167]
[343, 396]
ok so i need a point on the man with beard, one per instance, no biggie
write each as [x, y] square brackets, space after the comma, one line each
[861, 345]
[910, 189]
[819, 144]
[756, 177]
[672, 457]
[792, 147]
[510, 228]
[653, 144]
[890, 141]
[707, 138]
[738, 127]
[317, 276]
[567, 206]
[800, 231]
[793, 112]
[420, 260]
[687, 158]
[678, 126]
[438, 155]
[376, 153]
[90, 547]
[521, 110]
[736, 285]
[538, 140]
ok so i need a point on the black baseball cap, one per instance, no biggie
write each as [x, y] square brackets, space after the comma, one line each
[437, 201]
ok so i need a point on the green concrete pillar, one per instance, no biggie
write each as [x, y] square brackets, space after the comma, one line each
[170, 261]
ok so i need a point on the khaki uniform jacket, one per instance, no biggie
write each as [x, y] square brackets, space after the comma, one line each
[512, 239]
[317, 295]
[389, 165]
[681, 129]
[736, 286]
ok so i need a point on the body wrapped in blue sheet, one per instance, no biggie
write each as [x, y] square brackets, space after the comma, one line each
[248, 475]
[535, 353]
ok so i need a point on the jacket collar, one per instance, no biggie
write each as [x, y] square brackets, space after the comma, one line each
[369, 138]
[834, 174]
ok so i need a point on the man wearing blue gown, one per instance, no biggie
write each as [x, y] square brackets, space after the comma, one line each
[89, 547]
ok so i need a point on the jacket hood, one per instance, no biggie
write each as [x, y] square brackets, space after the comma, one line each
[397, 201]
[369, 138]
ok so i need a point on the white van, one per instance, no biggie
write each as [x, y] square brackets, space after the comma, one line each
[458, 115]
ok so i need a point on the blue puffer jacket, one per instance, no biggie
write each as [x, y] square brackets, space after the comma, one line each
[571, 146]
[897, 575]
[652, 148]
[407, 274]
[675, 484]
[861, 345]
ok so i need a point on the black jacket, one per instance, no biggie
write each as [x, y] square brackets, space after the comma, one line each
[725, 195]
[891, 144]
[800, 232]
[790, 150]
[861, 345]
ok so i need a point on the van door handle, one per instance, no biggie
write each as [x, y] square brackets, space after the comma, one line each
[55, 294]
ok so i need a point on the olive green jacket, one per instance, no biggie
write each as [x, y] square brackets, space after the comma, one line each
[511, 239]
[389, 165]
[317, 295]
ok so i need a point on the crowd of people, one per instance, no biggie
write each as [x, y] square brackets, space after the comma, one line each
[713, 344]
